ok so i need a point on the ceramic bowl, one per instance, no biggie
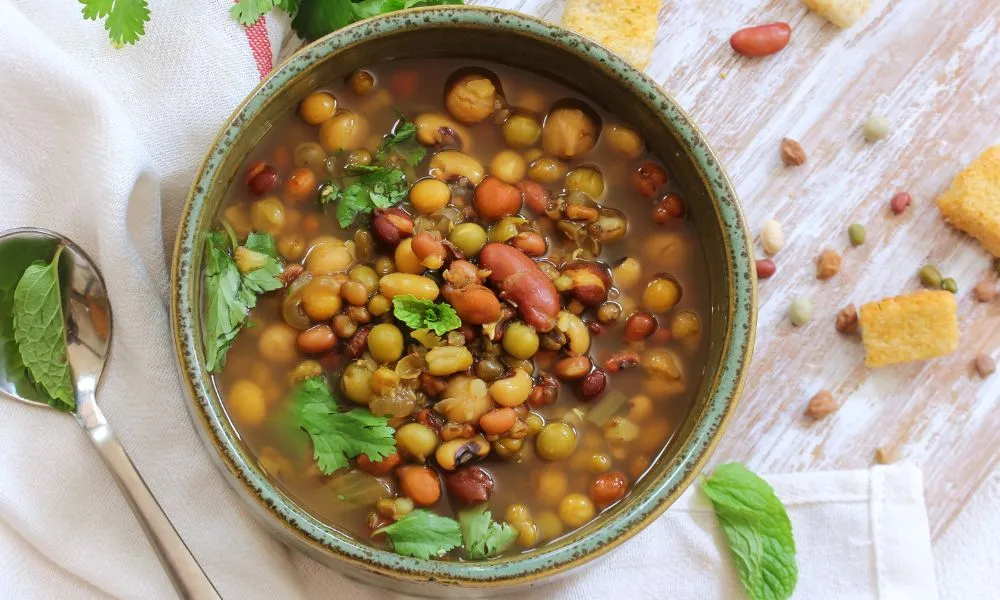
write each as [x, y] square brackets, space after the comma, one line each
[520, 41]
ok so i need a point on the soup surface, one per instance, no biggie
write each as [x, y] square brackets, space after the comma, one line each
[464, 288]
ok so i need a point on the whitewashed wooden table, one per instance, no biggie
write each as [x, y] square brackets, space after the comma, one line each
[929, 66]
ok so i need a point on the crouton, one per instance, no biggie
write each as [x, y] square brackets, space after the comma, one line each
[908, 328]
[972, 203]
[842, 13]
[627, 28]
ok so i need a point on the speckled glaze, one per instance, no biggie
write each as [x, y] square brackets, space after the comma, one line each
[554, 52]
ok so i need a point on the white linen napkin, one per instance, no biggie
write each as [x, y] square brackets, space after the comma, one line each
[101, 145]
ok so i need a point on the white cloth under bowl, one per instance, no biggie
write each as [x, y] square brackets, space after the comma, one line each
[101, 145]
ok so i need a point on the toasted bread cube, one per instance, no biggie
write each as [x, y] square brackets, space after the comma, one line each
[972, 203]
[842, 13]
[626, 27]
[907, 328]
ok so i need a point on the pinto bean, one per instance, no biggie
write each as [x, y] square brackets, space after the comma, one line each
[535, 196]
[522, 282]
[591, 281]
[475, 303]
[495, 199]
[429, 249]
[530, 243]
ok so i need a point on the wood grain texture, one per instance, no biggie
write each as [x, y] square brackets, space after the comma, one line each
[930, 67]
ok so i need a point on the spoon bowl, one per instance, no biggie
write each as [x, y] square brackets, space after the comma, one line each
[87, 313]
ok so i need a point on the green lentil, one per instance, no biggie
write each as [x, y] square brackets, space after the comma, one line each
[801, 311]
[876, 127]
[930, 276]
[857, 234]
[950, 285]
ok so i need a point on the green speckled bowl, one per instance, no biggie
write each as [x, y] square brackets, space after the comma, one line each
[531, 44]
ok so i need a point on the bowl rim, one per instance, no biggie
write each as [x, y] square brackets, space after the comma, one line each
[280, 512]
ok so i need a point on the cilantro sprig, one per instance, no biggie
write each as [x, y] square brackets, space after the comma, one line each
[483, 537]
[425, 314]
[339, 436]
[124, 19]
[757, 530]
[402, 142]
[375, 187]
[423, 534]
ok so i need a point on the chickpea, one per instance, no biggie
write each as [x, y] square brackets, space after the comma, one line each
[301, 184]
[625, 141]
[549, 525]
[328, 259]
[668, 250]
[471, 99]
[519, 517]
[277, 343]
[420, 484]
[321, 298]
[533, 154]
[310, 155]
[291, 246]
[268, 215]
[445, 360]
[246, 403]
[345, 131]
[406, 259]
[384, 380]
[513, 390]
[429, 195]
[509, 448]
[416, 440]
[661, 294]
[379, 305]
[568, 133]
[366, 276]
[685, 324]
[521, 130]
[317, 107]
[547, 171]
[355, 293]
[588, 180]
[552, 486]
[626, 274]
[238, 218]
[385, 343]
[556, 441]
[360, 157]
[520, 340]
[384, 266]
[535, 422]
[361, 82]
[598, 462]
[508, 166]
[469, 238]
[640, 407]
[356, 382]
[304, 370]
[575, 510]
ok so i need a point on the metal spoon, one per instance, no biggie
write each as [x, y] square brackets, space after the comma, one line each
[88, 336]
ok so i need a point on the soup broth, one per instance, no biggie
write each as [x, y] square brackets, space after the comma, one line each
[550, 387]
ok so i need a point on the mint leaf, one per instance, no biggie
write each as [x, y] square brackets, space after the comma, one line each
[758, 531]
[425, 314]
[482, 536]
[16, 254]
[423, 534]
[40, 331]
[339, 436]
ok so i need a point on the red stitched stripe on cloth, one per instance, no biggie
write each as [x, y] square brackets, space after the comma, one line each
[260, 45]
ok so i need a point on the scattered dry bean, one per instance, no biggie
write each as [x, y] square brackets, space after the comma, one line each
[847, 319]
[856, 233]
[828, 264]
[930, 277]
[899, 202]
[884, 456]
[800, 311]
[765, 268]
[876, 127]
[792, 153]
[821, 405]
[985, 365]
[771, 237]
[950, 285]
[762, 40]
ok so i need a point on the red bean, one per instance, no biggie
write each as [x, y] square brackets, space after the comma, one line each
[765, 268]
[900, 202]
[762, 40]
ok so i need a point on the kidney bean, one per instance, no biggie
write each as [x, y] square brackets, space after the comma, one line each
[535, 196]
[475, 303]
[639, 326]
[765, 268]
[521, 281]
[469, 485]
[591, 281]
[530, 243]
[261, 178]
[762, 40]
[379, 468]
[316, 339]
[497, 421]
[391, 226]
[670, 207]
[648, 177]
[592, 385]
[495, 199]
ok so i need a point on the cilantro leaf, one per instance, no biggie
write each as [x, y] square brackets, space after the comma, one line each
[328, 193]
[339, 436]
[377, 187]
[402, 141]
[248, 12]
[423, 534]
[40, 331]
[757, 529]
[124, 19]
[482, 536]
[258, 261]
[425, 314]
[317, 18]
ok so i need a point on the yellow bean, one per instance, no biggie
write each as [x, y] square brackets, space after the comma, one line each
[397, 284]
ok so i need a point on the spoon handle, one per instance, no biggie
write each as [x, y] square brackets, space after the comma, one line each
[184, 571]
